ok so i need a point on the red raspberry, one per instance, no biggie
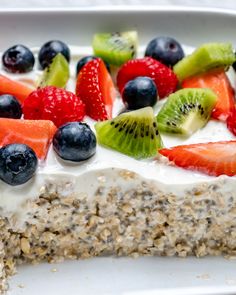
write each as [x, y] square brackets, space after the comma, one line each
[231, 122]
[164, 78]
[55, 104]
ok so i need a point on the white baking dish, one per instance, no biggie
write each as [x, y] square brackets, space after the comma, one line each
[122, 276]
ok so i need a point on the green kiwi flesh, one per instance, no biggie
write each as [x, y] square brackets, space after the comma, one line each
[57, 73]
[134, 133]
[204, 58]
[116, 48]
[186, 111]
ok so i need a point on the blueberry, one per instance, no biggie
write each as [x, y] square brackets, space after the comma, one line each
[50, 49]
[234, 64]
[10, 107]
[165, 49]
[139, 93]
[75, 142]
[18, 163]
[18, 59]
[86, 59]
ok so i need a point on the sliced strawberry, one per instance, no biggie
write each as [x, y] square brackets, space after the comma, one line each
[37, 134]
[231, 122]
[217, 81]
[95, 88]
[213, 158]
[164, 78]
[15, 88]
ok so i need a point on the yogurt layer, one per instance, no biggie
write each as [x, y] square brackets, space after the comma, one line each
[107, 165]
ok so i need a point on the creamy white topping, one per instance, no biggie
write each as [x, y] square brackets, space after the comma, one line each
[86, 176]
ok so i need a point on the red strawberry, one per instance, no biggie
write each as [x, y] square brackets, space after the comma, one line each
[217, 81]
[95, 88]
[164, 78]
[55, 104]
[213, 158]
[231, 121]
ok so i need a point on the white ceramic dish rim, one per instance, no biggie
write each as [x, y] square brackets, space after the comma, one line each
[121, 8]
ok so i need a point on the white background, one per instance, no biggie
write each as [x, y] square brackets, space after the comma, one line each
[230, 4]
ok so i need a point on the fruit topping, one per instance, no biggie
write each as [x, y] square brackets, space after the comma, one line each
[96, 89]
[115, 48]
[231, 121]
[214, 158]
[15, 88]
[218, 81]
[133, 133]
[75, 142]
[139, 93]
[204, 58]
[186, 111]
[10, 107]
[165, 49]
[57, 73]
[18, 59]
[51, 49]
[37, 134]
[55, 104]
[18, 164]
[85, 60]
[164, 78]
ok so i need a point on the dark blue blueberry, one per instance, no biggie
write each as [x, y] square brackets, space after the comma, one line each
[18, 163]
[234, 64]
[18, 59]
[50, 49]
[86, 59]
[165, 49]
[10, 107]
[75, 142]
[139, 93]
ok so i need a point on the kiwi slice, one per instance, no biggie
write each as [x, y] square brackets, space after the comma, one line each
[57, 73]
[134, 133]
[204, 58]
[116, 48]
[186, 111]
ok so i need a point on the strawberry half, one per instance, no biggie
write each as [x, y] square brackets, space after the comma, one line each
[231, 122]
[95, 88]
[213, 158]
[217, 81]
[164, 78]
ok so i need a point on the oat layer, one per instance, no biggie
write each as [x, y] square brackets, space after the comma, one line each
[139, 221]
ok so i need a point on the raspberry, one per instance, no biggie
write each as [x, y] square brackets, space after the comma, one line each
[164, 78]
[55, 104]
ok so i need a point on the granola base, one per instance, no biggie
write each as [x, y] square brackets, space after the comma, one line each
[138, 221]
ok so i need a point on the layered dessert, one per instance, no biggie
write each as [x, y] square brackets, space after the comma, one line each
[116, 155]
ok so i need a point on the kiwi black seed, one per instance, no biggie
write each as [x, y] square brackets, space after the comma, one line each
[186, 111]
[134, 133]
[116, 48]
